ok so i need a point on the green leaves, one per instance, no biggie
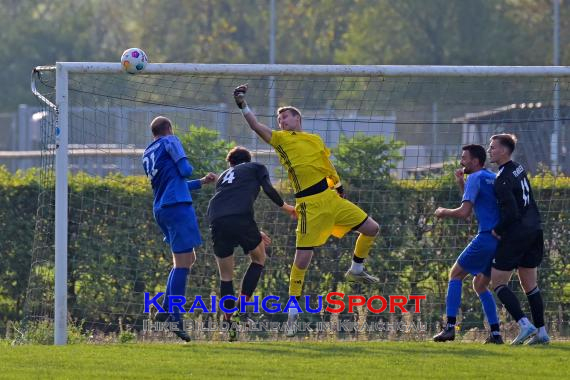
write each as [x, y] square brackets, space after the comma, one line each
[205, 150]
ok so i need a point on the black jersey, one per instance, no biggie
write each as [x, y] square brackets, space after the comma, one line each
[517, 207]
[238, 187]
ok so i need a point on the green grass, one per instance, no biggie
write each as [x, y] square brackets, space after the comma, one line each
[279, 360]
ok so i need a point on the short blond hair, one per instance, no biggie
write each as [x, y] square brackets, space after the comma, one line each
[294, 110]
[508, 140]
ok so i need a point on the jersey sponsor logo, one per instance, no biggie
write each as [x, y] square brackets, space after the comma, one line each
[518, 171]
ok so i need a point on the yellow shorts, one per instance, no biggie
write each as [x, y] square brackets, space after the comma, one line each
[325, 214]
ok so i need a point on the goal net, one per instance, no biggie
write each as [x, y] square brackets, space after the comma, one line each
[395, 134]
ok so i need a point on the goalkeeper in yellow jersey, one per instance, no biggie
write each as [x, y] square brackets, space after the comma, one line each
[320, 205]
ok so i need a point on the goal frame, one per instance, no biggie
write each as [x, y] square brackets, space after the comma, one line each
[61, 108]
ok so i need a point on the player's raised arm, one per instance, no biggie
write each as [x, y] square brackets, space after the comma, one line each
[262, 130]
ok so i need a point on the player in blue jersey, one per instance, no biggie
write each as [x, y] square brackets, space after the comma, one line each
[476, 258]
[167, 167]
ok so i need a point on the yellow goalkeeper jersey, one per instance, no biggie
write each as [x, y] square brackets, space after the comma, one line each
[305, 157]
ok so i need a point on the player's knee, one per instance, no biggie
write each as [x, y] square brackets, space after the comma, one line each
[184, 260]
[479, 285]
[372, 228]
[259, 258]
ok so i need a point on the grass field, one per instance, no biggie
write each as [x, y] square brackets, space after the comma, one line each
[285, 360]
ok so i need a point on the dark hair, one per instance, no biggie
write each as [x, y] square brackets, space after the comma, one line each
[476, 151]
[238, 155]
[160, 125]
[294, 110]
[507, 140]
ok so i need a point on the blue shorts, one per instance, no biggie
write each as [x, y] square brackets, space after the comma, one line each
[477, 256]
[179, 226]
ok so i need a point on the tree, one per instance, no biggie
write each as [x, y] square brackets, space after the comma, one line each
[364, 158]
[204, 149]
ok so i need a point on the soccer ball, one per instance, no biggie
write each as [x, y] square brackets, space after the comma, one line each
[133, 60]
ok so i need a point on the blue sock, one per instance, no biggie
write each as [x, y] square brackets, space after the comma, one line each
[167, 292]
[453, 299]
[489, 306]
[178, 287]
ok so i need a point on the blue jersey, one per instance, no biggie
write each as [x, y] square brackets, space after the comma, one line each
[480, 191]
[159, 162]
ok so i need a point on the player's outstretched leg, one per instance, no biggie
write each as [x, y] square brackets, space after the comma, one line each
[368, 232]
[296, 280]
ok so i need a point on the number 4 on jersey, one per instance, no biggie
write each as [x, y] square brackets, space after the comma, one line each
[229, 176]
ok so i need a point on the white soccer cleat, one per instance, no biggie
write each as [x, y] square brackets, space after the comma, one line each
[537, 339]
[524, 334]
[362, 277]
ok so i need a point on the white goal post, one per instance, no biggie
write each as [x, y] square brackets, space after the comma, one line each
[63, 69]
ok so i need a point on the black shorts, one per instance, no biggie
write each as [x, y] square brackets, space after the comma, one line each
[230, 231]
[522, 249]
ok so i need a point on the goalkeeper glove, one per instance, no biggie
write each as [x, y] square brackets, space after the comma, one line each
[239, 96]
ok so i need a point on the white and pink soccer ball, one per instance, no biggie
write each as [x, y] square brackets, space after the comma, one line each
[134, 60]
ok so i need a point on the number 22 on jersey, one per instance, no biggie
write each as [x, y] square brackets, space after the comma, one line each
[149, 168]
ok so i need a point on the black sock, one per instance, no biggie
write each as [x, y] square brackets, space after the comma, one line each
[536, 306]
[357, 259]
[251, 278]
[510, 301]
[495, 329]
[227, 289]
[451, 320]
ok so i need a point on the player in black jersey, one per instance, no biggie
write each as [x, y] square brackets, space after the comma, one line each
[521, 243]
[230, 213]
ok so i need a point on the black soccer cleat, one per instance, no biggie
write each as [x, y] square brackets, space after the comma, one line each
[182, 335]
[447, 334]
[169, 318]
[494, 339]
